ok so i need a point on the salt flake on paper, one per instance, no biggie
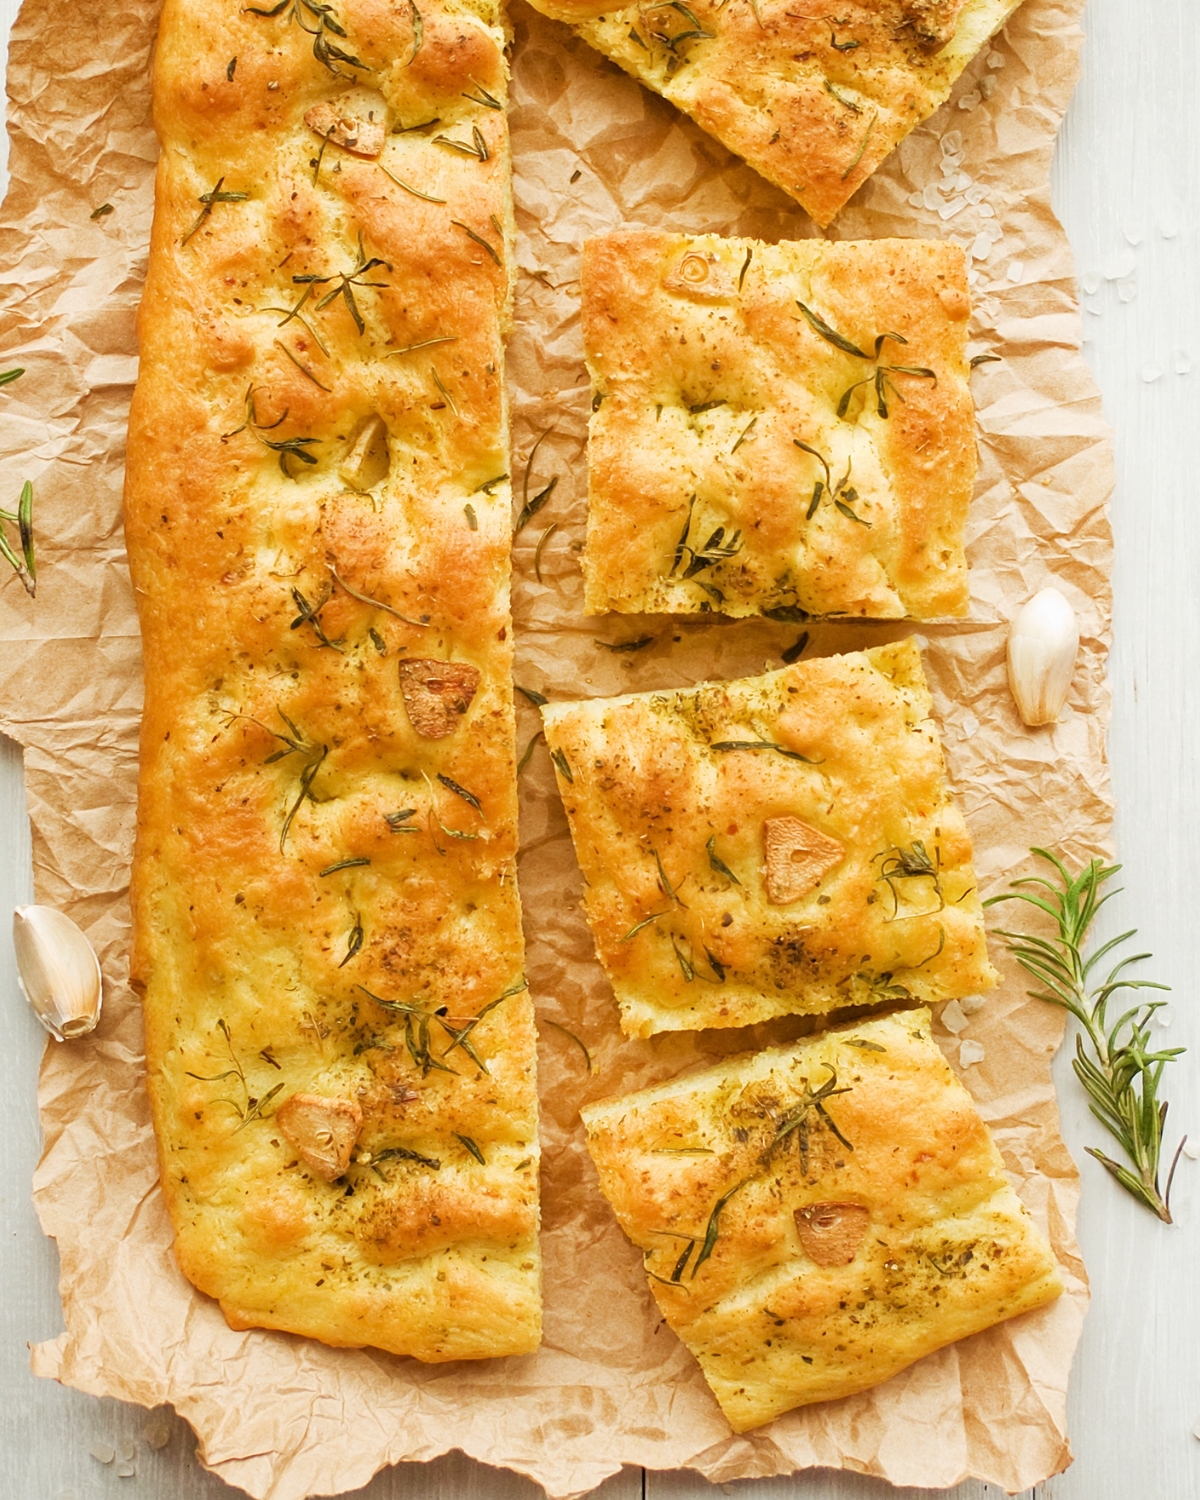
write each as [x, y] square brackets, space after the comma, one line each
[970, 1053]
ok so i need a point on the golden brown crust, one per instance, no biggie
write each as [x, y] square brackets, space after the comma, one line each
[319, 885]
[816, 1217]
[814, 94]
[668, 795]
[721, 474]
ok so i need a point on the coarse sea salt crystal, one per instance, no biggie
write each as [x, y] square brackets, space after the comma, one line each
[1191, 1149]
[157, 1433]
[972, 1003]
[986, 211]
[1120, 266]
[932, 197]
[1090, 282]
[968, 724]
[916, 200]
[1126, 291]
[970, 1053]
[103, 1453]
[996, 59]
[976, 194]
[952, 143]
[126, 1471]
[971, 101]
[981, 247]
[948, 210]
[953, 1018]
[1016, 271]
[987, 85]
[1151, 373]
[1181, 361]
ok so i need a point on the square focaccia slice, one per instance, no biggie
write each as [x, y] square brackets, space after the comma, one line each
[785, 844]
[777, 429]
[816, 1217]
[813, 95]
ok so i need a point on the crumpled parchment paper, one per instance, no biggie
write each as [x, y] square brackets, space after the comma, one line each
[283, 1417]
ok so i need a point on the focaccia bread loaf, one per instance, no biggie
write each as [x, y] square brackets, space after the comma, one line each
[785, 844]
[814, 94]
[777, 429]
[815, 1218]
[340, 1045]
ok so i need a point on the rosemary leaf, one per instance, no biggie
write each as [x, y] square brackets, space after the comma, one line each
[537, 551]
[345, 864]
[536, 698]
[418, 32]
[587, 1056]
[796, 650]
[417, 193]
[717, 863]
[472, 518]
[478, 238]
[461, 791]
[645, 922]
[563, 765]
[620, 648]
[449, 338]
[727, 745]
[465, 1140]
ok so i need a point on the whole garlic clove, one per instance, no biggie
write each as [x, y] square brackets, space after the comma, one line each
[59, 971]
[1043, 644]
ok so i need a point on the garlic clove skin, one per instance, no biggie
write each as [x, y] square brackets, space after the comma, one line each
[59, 971]
[1043, 644]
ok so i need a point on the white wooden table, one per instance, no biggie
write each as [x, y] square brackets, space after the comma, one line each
[1127, 186]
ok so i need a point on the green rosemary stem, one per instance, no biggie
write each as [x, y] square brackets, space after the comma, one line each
[1114, 1060]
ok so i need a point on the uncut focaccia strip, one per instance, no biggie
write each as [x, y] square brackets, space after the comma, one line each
[706, 376]
[324, 891]
[813, 95]
[817, 1217]
[675, 800]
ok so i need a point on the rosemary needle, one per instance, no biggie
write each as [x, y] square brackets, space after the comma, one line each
[1112, 1060]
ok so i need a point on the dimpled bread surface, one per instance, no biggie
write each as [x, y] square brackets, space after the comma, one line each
[340, 1046]
[814, 94]
[815, 1218]
[776, 845]
[743, 459]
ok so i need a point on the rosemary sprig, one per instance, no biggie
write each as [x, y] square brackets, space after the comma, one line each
[715, 550]
[913, 863]
[213, 196]
[1121, 1074]
[327, 53]
[24, 566]
[346, 281]
[310, 614]
[250, 1108]
[842, 494]
[881, 376]
[530, 505]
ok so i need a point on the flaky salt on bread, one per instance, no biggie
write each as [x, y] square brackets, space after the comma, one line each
[814, 94]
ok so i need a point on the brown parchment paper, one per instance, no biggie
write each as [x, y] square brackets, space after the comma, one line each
[283, 1417]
